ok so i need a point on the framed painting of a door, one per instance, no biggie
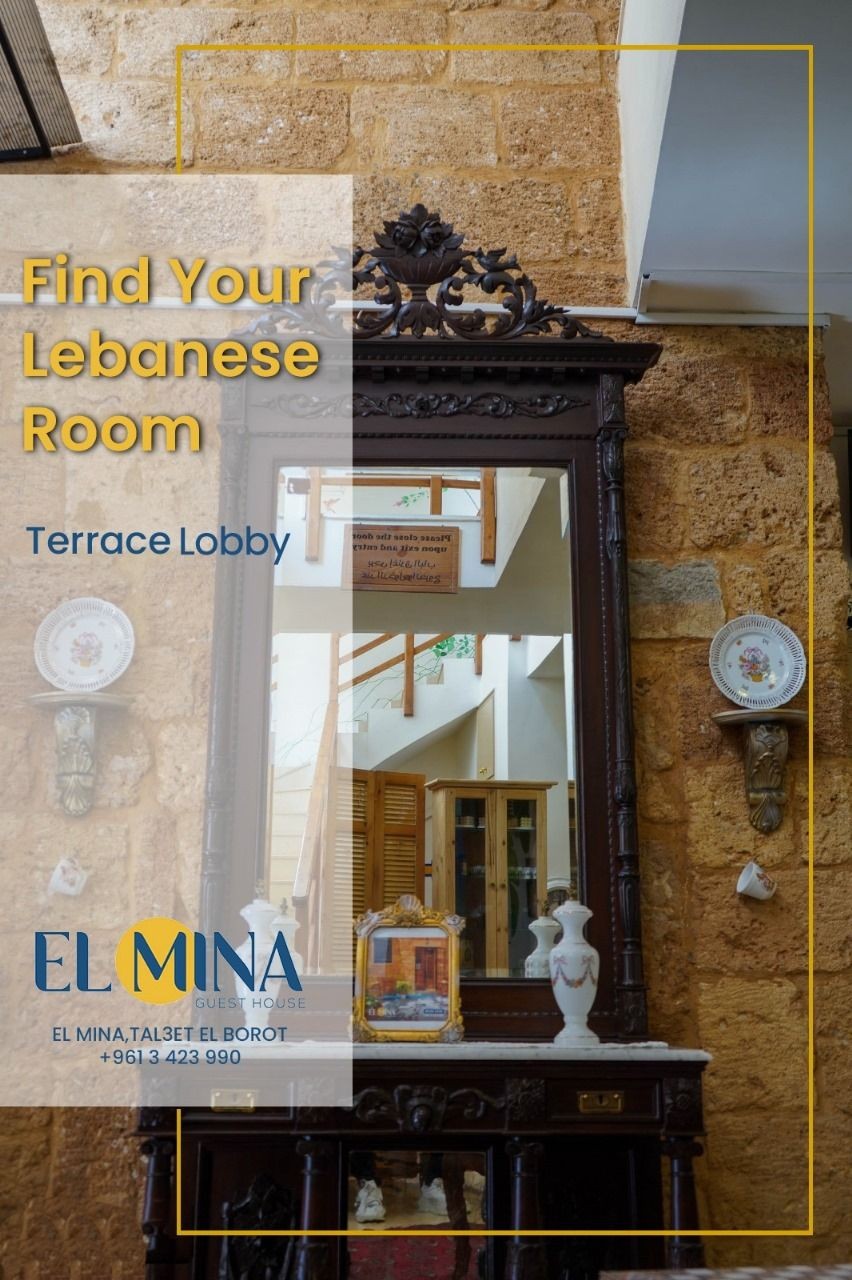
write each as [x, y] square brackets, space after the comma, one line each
[407, 974]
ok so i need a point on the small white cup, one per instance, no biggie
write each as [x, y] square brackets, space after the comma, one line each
[755, 883]
[68, 878]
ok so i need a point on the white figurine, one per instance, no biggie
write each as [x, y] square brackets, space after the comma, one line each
[369, 1203]
[433, 1198]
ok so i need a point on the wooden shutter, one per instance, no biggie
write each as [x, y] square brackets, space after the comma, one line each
[397, 849]
[347, 838]
[380, 832]
[354, 816]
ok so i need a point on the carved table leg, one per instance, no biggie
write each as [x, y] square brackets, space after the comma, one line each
[315, 1255]
[526, 1259]
[684, 1250]
[452, 1168]
[157, 1212]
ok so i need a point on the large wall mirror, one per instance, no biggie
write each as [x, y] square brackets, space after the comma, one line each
[430, 692]
[454, 693]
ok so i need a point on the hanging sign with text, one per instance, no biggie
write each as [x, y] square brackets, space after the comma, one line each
[401, 557]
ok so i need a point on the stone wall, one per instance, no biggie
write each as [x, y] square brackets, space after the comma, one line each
[518, 150]
[716, 482]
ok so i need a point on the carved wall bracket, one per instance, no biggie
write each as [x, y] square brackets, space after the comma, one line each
[765, 745]
[75, 720]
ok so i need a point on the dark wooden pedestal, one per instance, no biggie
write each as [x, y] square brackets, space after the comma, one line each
[578, 1144]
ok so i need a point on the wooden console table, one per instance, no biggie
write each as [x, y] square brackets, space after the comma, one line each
[571, 1138]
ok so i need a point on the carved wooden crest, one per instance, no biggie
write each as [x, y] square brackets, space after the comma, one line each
[418, 252]
[416, 279]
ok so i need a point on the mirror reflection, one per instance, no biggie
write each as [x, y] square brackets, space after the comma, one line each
[407, 1190]
[431, 748]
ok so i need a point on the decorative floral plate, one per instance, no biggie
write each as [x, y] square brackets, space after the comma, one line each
[757, 662]
[84, 644]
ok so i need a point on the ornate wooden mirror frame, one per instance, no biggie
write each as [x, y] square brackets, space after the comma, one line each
[434, 386]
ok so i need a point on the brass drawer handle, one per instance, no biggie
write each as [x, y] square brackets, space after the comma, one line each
[609, 1102]
[232, 1099]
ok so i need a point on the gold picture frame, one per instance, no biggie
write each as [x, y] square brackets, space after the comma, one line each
[407, 974]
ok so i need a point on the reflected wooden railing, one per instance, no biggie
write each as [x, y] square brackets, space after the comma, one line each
[409, 653]
[435, 482]
[309, 885]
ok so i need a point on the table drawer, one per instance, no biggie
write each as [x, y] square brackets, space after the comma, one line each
[604, 1102]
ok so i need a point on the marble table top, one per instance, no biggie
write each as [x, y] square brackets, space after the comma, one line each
[509, 1051]
[652, 1050]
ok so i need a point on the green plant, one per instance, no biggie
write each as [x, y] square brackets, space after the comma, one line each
[459, 646]
[409, 499]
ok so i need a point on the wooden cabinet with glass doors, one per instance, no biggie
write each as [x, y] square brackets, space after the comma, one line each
[489, 864]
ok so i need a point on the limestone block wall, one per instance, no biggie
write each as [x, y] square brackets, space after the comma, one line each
[716, 483]
[518, 150]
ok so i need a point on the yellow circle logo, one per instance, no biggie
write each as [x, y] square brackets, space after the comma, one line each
[154, 960]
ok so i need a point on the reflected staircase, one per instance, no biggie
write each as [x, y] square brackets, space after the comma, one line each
[318, 817]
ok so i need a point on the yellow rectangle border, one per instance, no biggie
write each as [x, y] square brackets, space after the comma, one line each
[586, 48]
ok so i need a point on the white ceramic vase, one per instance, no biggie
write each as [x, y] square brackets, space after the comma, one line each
[259, 916]
[574, 965]
[288, 925]
[537, 963]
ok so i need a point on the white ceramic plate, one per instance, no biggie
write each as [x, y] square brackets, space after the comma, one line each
[757, 662]
[84, 645]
